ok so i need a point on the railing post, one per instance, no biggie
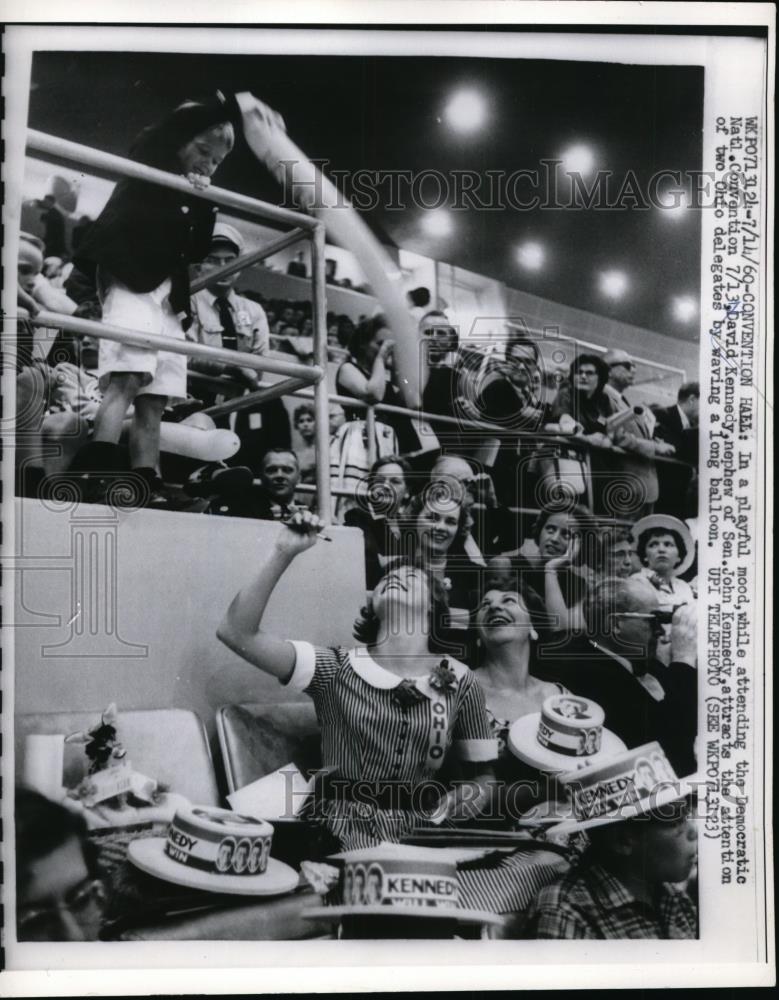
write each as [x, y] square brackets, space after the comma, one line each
[588, 479]
[370, 435]
[321, 403]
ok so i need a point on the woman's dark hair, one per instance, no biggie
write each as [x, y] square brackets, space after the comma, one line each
[534, 604]
[388, 460]
[305, 409]
[380, 499]
[597, 362]
[366, 626]
[645, 536]
[345, 330]
[364, 333]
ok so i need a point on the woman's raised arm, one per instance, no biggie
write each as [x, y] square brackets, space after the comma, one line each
[240, 629]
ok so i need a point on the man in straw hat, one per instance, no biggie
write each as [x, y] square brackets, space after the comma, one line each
[643, 845]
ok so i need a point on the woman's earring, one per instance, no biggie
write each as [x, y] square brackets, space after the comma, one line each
[533, 634]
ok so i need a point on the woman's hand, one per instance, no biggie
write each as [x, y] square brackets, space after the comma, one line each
[567, 425]
[568, 559]
[299, 533]
[385, 351]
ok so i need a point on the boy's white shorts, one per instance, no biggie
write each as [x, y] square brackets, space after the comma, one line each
[149, 312]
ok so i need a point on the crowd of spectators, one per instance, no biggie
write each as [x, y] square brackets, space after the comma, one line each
[559, 541]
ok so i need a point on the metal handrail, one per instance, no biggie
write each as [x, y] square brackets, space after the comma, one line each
[156, 342]
[75, 152]
[548, 437]
[302, 226]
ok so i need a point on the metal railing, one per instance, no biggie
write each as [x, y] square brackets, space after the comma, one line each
[297, 376]
[303, 228]
[533, 438]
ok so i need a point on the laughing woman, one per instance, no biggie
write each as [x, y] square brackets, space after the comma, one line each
[439, 525]
[390, 712]
[505, 629]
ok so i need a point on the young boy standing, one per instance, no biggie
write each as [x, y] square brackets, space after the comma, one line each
[137, 254]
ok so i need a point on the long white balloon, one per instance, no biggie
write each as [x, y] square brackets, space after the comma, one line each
[312, 191]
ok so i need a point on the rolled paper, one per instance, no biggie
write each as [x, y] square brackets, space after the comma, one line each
[44, 757]
[311, 190]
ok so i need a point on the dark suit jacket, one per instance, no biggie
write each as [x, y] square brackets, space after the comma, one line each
[631, 712]
[147, 233]
[669, 429]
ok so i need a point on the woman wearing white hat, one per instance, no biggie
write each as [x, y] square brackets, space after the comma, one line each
[666, 549]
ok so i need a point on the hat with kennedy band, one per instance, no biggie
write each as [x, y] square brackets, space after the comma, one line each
[217, 851]
[635, 783]
[567, 733]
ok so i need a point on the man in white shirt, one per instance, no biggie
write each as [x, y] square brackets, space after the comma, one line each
[223, 318]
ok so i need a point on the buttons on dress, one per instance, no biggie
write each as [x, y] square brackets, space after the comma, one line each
[185, 209]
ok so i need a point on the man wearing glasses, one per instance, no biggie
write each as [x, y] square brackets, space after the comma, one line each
[615, 665]
[58, 896]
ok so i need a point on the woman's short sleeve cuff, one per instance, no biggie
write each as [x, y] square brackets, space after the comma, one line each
[305, 662]
[477, 751]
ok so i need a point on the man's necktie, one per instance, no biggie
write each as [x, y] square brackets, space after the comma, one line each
[229, 335]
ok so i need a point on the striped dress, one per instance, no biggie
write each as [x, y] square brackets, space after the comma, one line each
[367, 736]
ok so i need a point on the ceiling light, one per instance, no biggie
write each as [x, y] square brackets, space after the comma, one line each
[614, 284]
[437, 222]
[466, 111]
[531, 256]
[685, 308]
[578, 159]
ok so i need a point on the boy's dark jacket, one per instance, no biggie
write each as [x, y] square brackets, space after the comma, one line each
[147, 233]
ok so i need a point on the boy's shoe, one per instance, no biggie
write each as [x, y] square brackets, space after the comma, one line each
[219, 481]
[180, 411]
[85, 487]
[165, 497]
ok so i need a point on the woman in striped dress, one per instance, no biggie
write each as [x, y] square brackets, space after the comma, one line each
[390, 712]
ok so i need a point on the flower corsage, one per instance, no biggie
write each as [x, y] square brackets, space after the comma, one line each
[441, 678]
